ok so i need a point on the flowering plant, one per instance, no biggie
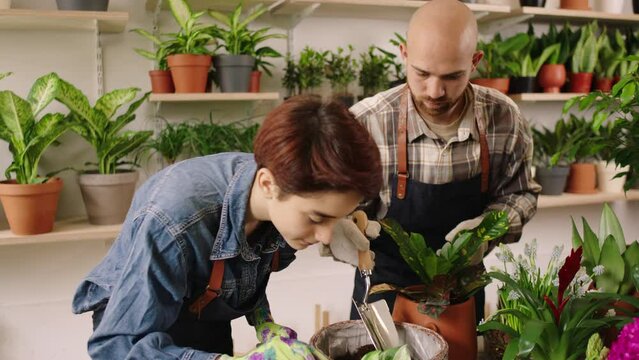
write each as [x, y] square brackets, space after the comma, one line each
[627, 343]
[556, 326]
[447, 274]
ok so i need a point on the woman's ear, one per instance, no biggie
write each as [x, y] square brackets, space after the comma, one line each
[266, 182]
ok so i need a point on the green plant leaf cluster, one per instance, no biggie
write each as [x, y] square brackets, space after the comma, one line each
[101, 125]
[4, 75]
[596, 349]
[571, 140]
[496, 62]
[162, 49]
[171, 142]
[553, 36]
[396, 66]
[211, 138]
[341, 69]
[521, 46]
[446, 274]
[28, 131]
[193, 37]
[586, 51]
[307, 73]
[608, 248]
[397, 353]
[375, 66]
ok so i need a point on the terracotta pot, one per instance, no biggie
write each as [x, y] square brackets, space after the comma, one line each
[189, 72]
[582, 179]
[30, 209]
[161, 82]
[574, 4]
[500, 84]
[254, 85]
[603, 84]
[580, 82]
[456, 325]
[552, 77]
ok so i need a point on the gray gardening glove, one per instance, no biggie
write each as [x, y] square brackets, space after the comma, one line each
[351, 235]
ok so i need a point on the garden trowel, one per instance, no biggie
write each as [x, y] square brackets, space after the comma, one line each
[376, 316]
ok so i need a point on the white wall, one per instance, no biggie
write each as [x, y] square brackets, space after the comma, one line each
[37, 281]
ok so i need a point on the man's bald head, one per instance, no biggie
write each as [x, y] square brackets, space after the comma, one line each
[445, 24]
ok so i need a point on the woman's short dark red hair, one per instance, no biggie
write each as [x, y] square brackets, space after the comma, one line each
[312, 146]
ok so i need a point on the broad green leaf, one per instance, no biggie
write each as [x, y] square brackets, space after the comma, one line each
[127, 117]
[609, 225]
[530, 336]
[181, 12]
[577, 242]
[77, 102]
[148, 35]
[43, 92]
[16, 117]
[591, 243]
[628, 94]
[110, 102]
[47, 130]
[614, 267]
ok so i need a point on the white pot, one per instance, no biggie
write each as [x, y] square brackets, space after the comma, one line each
[608, 6]
[5, 4]
[605, 174]
[498, 2]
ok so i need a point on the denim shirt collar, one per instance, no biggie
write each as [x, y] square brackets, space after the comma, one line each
[231, 240]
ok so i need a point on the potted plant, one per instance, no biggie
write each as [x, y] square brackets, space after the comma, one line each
[584, 59]
[526, 66]
[30, 201]
[495, 68]
[83, 5]
[574, 4]
[261, 54]
[107, 190]
[619, 108]
[310, 70]
[290, 80]
[556, 326]
[552, 75]
[341, 71]
[444, 301]
[610, 57]
[234, 68]
[161, 80]
[190, 57]
[171, 142]
[397, 74]
[583, 145]
[550, 158]
[374, 71]
[610, 177]
[211, 138]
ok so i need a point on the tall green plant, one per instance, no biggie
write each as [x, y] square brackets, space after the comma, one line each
[310, 68]
[374, 71]
[290, 80]
[397, 65]
[102, 127]
[193, 37]
[551, 145]
[496, 62]
[525, 64]
[29, 136]
[610, 54]
[555, 37]
[211, 138]
[171, 142]
[585, 54]
[341, 69]
[162, 49]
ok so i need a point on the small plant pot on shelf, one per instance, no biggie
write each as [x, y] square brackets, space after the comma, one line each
[83, 5]
[552, 180]
[234, 72]
[535, 3]
[189, 72]
[456, 325]
[255, 83]
[582, 179]
[107, 197]
[608, 6]
[574, 4]
[552, 77]
[161, 82]
[580, 82]
[606, 180]
[519, 85]
[343, 339]
[30, 209]
[603, 84]
[500, 84]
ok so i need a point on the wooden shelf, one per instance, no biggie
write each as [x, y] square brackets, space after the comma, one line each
[22, 19]
[549, 201]
[188, 97]
[64, 231]
[539, 13]
[544, 96]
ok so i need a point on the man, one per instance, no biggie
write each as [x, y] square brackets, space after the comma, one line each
[450, 151]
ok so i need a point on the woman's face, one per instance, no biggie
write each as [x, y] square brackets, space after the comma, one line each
[306, 219]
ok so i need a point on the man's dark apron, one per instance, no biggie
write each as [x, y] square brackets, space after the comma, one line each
[431, 210]
[205, 324]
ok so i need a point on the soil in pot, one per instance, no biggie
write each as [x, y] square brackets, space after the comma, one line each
[358, 354]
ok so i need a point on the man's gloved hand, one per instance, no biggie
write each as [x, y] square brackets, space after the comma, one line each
[278, 348]
[351, 235]
[469, 225]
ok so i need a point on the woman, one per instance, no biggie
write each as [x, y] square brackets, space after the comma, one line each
[226, 220]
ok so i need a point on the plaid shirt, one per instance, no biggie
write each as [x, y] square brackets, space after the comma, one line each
[431, 160]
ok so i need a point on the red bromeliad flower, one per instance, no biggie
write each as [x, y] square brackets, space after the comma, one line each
[566, 274]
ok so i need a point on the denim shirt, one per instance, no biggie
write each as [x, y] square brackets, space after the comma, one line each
[180, 219]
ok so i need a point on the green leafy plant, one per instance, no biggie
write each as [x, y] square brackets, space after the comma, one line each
[397, 73]
[29, 136]
[585, 53]
[611, 54]
[556, 326]
[162, 49]
[290, 80]
[446, 274]
[596, 349]
[613, 264]
[554, 37]
[521, 46]
[4, 75]
[193, 37]
[397, 353]
[374, 70]
[341, 69]
[310, 69]
[237, 39]
[171, 142]
[496, 62]
[619, 109]
[551, 145]
[211, 138]
[101, 126]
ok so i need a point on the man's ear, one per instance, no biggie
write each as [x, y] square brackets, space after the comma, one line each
[477, 56]
[267, 184]
[403, 51]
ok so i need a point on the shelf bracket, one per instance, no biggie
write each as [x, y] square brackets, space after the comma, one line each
[288, 22]
[98, 61]
[495, 26]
